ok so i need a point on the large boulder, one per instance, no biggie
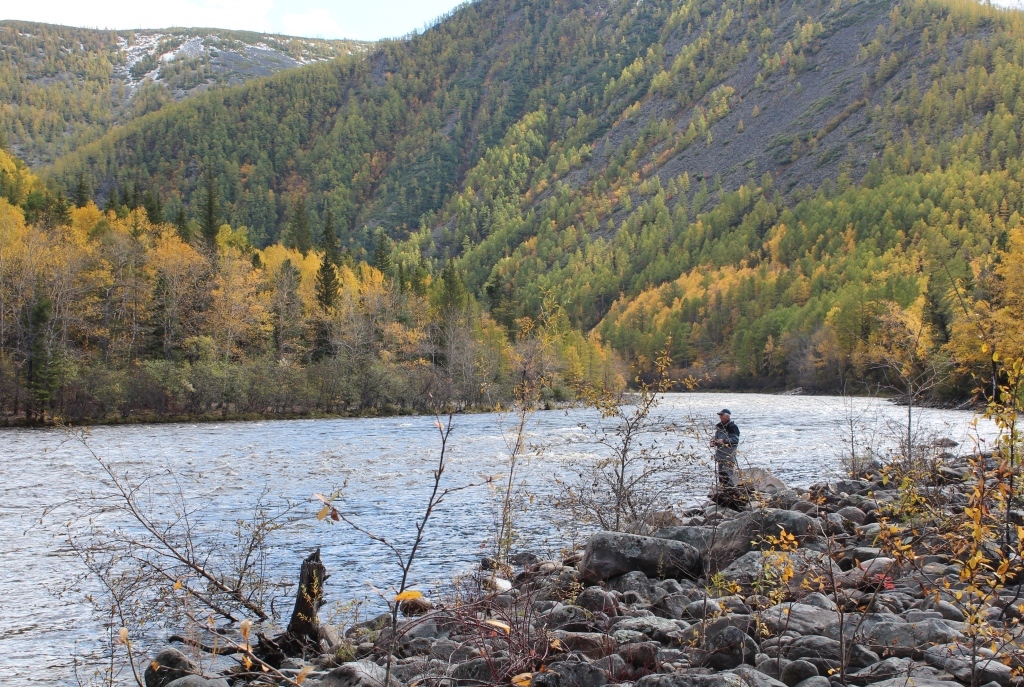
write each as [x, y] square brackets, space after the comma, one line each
[610, 554]
[168, 666]
[751, 566]
[593, 645]
[755, 678]
[909, 640]
[748, 531]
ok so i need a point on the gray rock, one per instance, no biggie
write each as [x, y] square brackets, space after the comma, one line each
[689, 680]
[597, 600]
[909, 640]
[634, 581]
[729, 648]
[356, 674]
[479, 670]
[628, 636]
[904, 681]
[751, 566]
[198, 681]
[859, 625]
[591, 644]
[798, 617]
[755, 678]
[816, 681]
[773, 667]
[949, 611]
[958, 661]
[674, 605]
[659, 629]
[704, 608]
[613, 665]
[576, 674]
[168, 666]
[640, 654]
[822, 650]
[546, 679]
[819, 600]
[883, 670]
[570, 618]
[798, 671]
[610, 554]
[853, 514]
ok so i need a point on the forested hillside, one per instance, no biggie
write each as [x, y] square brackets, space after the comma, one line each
[781, 193]
[62, 86]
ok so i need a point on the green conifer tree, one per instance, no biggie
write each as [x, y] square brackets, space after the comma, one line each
[299, 236]
[83, 193]
[382, 255]
[327, 285]
[210, 212]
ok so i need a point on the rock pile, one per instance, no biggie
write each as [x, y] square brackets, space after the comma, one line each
[794, 592]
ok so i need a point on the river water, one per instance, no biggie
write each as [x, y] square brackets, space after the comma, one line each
[383, 468]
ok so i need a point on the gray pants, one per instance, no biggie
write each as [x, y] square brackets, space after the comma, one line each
[725, 463]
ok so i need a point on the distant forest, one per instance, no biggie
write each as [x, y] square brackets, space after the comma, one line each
[780, 194]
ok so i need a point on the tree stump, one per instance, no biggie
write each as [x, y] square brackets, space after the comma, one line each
[303, 634]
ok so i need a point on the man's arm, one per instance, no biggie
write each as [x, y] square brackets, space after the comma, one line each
[734, 434]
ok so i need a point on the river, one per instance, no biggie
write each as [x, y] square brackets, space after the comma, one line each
[383, 467]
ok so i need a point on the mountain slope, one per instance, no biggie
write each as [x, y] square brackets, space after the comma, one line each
[63, 86]
[653, 169]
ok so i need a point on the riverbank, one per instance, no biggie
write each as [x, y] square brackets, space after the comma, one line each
[910, 576]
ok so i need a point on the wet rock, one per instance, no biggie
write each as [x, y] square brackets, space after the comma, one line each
[798, 671]
[729, 648]
[610, 554]
[576, 674]
[356, 674]
[168, 666]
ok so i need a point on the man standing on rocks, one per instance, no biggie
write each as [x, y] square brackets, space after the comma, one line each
[727, 438]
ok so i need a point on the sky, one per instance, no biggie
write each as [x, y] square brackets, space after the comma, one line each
[357, 19]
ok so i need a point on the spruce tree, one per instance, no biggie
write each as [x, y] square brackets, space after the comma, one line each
[113, 200]
[382, 255]
[210, 217]
[154, 208]
[327, 277]
[83, 194]
[299, 236]
[181, 222]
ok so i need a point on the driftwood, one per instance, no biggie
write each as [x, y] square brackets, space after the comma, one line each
[303, 634]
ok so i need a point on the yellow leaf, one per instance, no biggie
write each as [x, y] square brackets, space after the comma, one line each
[409, 595]
[247, 662]
[177, 585]
[557, 645]
[303, 674]
[323, 512]
[123, 635]
[244, 628]
[497, 624]
[522, 679]
[154, 665]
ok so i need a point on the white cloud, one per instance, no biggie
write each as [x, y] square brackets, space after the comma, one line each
[313, 23]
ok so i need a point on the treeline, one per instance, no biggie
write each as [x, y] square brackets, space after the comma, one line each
[108, 316]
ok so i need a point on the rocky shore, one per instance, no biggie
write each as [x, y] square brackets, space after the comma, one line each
[797, 588]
